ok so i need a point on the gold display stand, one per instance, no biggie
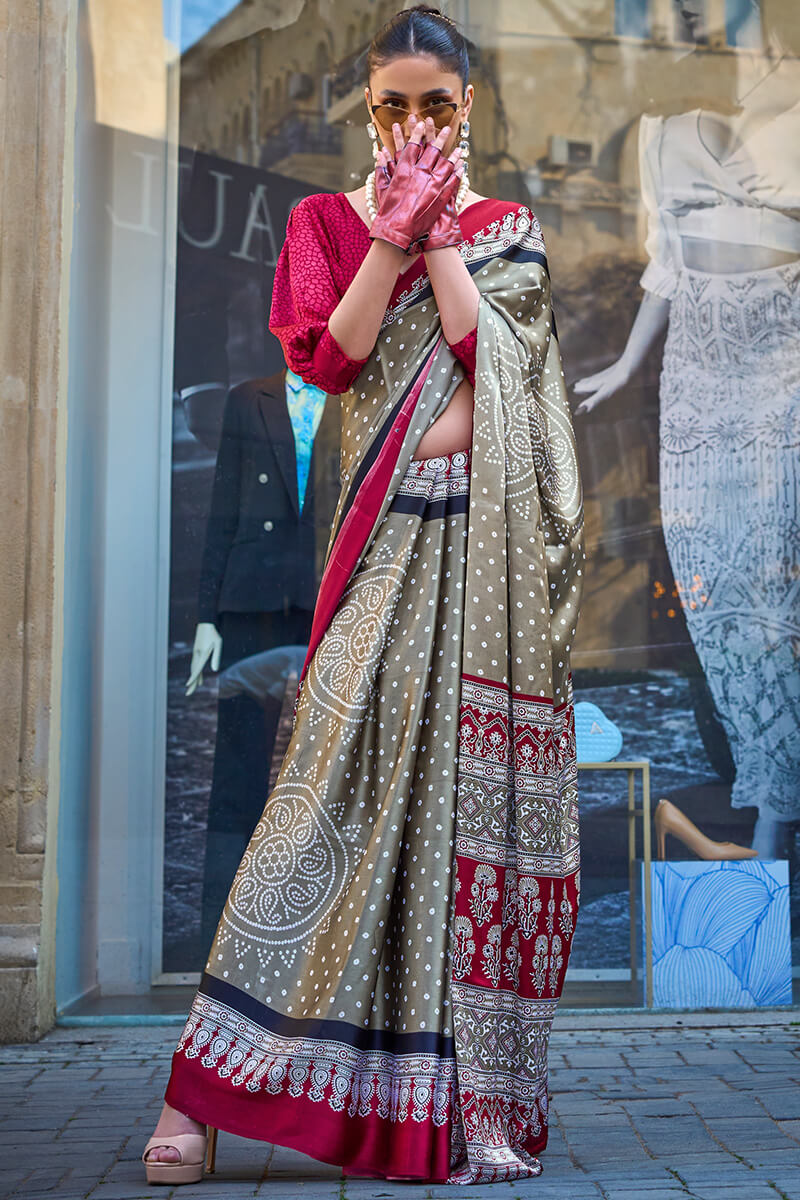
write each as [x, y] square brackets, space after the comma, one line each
[633, 812]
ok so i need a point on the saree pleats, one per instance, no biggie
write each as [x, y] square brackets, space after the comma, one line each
[517, 843]
[385, 973]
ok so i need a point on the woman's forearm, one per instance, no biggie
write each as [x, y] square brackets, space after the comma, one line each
[651, 318]
[456, 294]
[356, 320]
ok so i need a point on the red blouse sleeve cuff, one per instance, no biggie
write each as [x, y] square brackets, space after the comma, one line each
[465, 351]
[333, 362]
[326, 365]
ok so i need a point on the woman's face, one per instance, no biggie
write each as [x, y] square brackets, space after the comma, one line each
[412, 84]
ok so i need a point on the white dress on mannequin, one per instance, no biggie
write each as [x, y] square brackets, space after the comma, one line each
[730, 432]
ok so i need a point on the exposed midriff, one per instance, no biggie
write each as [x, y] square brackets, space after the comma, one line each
[705, 254]
[452, 429]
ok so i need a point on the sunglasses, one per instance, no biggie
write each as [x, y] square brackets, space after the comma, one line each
[441, 111]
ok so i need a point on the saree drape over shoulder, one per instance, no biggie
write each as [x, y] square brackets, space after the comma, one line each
[381, 987]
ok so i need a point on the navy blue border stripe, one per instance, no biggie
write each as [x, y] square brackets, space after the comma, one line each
[335, 1031]
[445, 506]
[516, 254]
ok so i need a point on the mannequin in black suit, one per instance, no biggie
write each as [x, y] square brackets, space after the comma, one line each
[258, 588]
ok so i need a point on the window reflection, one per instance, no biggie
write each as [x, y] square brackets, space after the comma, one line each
[664, 170]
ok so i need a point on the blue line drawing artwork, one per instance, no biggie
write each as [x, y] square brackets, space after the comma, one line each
[720, 933]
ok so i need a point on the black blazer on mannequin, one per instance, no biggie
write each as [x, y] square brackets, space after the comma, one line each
[260, 549]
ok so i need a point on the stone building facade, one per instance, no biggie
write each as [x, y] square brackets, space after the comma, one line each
[34, 236]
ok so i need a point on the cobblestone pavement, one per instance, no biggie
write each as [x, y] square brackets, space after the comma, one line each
[642, 1108]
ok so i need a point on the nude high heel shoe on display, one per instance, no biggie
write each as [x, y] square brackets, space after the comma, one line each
[669, 819]
[198, 1153]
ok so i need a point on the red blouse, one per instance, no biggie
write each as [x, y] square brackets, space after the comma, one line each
[326, 243]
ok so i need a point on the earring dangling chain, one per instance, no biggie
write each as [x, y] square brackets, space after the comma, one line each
[463, 187]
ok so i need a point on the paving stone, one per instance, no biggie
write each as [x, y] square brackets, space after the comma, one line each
[578, 1102]
[635, 1189]
[645, 1108]
[49, 1194]
[229, 1189]
[649, 1183]
[781, 1106]
[10, 1180]
[299, 1188]
[754, 1191]
[745, 1134]
[773, 1159]
[606, 1116]
[662, 1135]
[723, 1103]
[612, 1091]
[118, 1190]
[591, 1057]
[552, 1185]
[786, 1180]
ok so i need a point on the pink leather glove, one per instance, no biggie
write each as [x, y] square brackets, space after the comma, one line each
[383, 174]
[420, 186]
[446, 230]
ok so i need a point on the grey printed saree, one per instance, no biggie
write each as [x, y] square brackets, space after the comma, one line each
[381, 987]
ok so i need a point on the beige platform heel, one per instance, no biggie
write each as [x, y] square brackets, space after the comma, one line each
[198, 1151]
[670, 819]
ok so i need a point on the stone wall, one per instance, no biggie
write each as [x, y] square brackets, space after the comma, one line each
[35, 41]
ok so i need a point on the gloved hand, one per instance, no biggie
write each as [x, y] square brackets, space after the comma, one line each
[422, 182]
[446, 230]
[384, 169]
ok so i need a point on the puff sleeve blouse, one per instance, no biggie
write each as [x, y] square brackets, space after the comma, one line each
[304, 295]
[326, 242]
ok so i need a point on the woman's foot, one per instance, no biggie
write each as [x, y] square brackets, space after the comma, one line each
[169, 1123]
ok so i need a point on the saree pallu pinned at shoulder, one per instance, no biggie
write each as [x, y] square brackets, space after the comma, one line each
[383, 980]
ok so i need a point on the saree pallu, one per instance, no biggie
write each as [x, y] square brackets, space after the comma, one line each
[381, 987]
[730, 493]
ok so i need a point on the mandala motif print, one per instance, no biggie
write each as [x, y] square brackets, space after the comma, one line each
[381, 987]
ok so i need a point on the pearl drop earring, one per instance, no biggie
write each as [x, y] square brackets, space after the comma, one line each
[463, 146]
[373, 133]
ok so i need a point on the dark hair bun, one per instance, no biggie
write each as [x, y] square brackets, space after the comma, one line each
[421, 29]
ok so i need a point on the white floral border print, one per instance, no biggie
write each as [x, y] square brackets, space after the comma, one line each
[416, 1085]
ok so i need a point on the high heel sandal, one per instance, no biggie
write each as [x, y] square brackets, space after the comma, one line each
[197, 1151]
[669, 819]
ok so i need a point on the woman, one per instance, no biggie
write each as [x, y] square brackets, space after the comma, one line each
[383, 979]
[722, 197]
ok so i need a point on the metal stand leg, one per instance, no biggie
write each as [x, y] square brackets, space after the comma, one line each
[648, 899]
[632, 883]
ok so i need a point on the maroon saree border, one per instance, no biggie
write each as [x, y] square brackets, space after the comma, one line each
[369, 1144]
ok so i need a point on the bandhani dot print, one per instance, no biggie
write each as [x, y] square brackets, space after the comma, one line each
[382, 983]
